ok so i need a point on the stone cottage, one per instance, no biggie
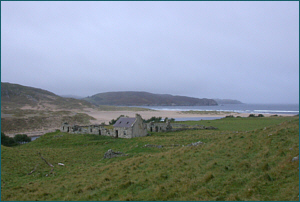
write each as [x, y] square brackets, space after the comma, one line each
[127, 127]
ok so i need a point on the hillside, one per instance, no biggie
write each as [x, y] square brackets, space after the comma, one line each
[247, 159]
[227, 101]
[18, 96]
[132, 98]
[27, 109]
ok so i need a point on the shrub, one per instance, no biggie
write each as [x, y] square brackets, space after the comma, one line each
[113, 121]
[154, 119]
[20, 138]
[251, 115]
[261, 115]
[229, 116]
[7, 141]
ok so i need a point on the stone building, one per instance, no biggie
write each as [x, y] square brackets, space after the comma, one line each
[90, 129]
[159, 127]
[126, 127]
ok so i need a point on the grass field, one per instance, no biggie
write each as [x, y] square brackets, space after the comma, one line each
[246, 159]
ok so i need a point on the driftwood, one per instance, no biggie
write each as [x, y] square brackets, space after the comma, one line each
[49, 164]
[45, 160]
[33, 170]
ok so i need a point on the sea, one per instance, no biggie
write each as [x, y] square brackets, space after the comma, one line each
[291, 109]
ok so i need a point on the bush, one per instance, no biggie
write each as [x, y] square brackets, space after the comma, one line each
[113, 121]
[7, 141]
[229, 116]
[21, 138]
[154, 119]
[253, 115]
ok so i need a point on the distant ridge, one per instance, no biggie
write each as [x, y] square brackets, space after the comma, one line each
[72, 96]
[135, 98]
[227, 101]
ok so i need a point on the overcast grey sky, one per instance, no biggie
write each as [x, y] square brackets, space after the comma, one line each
[240, 50]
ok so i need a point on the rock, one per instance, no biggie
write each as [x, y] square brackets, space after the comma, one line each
[211, 128]
[195, 143]
[151, 145]
[111, 154]
[295, 158]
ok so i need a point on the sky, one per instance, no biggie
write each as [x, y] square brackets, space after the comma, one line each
[247, 51]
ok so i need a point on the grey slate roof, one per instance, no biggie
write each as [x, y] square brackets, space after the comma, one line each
[124, 122]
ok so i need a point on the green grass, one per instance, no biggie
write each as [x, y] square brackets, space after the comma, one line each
[239, 124]
[247, 165]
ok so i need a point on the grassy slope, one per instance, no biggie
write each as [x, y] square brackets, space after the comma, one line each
[247, 165]
[42, 121]
[17, 96]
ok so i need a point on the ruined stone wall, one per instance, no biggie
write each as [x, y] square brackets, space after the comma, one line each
[91, 129]
[159, 127]
[139, 127]
[122, 132]
[65, 127]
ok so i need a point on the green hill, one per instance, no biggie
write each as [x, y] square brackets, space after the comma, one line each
[247, 159]
[133, 98]
[18, 96]
[25, 109]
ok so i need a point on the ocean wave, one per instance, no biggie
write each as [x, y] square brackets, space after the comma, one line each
[244, 108]
[275, 111]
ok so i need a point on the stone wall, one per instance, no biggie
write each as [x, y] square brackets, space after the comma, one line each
[122, 132]
[139, 127]
[159, 127]
[91, 129]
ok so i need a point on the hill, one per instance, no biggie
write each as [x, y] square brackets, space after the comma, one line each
[18, 96]
[247, 159]
[133, 98]
[25, 109]
[227, 101]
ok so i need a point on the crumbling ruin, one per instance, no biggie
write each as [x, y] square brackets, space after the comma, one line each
[159, 127]
[129, 127]
[125, 127]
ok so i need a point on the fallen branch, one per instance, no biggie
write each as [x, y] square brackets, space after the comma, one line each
[33, 170]
[45, 160]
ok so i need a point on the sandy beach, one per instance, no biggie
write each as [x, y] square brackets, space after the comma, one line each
[106, 116]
